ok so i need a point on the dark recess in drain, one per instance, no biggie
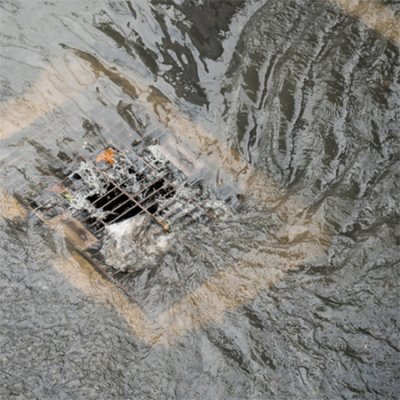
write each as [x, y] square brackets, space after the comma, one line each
[117, 186]
[122, 207]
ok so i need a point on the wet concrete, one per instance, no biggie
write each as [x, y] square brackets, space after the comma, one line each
[294, 106]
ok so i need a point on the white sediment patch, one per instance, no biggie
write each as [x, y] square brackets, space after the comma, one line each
[134, 243]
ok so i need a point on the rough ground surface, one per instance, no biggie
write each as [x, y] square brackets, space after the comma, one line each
[309, 96]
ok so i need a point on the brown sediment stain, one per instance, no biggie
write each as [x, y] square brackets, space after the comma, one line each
[375, 15]
[10, 207]
[83, 276]
[73, 230]
[49, 92]
[230, 289]
[207, 304]
[99, 68]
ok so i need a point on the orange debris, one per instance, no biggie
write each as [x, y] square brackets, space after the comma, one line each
[107, 155]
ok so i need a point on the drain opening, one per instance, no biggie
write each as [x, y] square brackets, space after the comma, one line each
[118, 203]
[117, 186]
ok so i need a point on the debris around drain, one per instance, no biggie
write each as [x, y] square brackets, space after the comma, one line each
[126, 208]
[120, 185]
[107, 155]
[71, 228]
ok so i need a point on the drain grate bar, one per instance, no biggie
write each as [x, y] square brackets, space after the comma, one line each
[107, 194]
[93, 194]
[142, 159]
[164, 207]
[164, 187]
[148, 208]
[96, 221]
[159, 221]
[159, 179]
[138, 182]
[120, 205]
[113, 199]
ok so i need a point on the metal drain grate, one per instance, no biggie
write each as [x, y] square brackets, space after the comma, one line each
[128, 187]
[116, 186]
[120, 209]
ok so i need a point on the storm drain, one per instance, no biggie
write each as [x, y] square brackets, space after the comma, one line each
[97, 198]
[118, 186]
[115, 186]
